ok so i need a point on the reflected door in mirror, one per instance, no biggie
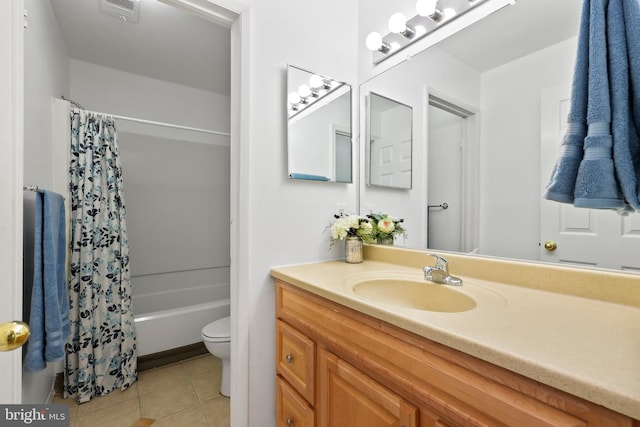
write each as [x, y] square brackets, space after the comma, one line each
[390, 139]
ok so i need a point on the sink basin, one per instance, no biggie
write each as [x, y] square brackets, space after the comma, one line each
[414, 294]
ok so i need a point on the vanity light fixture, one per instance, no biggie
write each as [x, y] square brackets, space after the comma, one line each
[398, 25]
[308, 94]
[430, 15]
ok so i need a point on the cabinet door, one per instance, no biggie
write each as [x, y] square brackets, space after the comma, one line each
[349, 398]
[295, 357]
[291, 409]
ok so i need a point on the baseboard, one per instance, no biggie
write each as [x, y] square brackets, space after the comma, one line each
[163, 358]
[151, 361]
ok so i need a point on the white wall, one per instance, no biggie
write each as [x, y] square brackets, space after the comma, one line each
[510, 149]
[408, 83]
[46, 76]
[171, 176]
[285, 218]
[116, 92]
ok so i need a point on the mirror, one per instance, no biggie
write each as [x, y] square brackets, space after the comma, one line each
[510, 74]
[319, 142]
[389, 135]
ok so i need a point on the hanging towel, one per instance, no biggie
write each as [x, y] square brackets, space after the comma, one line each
[308, 177]
[606, 174]
[624, 53]
[563, 178]
[49, 320]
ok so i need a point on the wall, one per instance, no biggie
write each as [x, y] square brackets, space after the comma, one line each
[171, 176]
[409, 83]
[512, 188]
[285, 219]
[46, 75]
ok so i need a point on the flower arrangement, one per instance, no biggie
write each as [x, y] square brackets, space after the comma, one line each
[351, 225]
[386, 227]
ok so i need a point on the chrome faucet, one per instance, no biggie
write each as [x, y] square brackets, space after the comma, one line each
[440, 273]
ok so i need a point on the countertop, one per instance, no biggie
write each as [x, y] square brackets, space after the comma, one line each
[572, 340]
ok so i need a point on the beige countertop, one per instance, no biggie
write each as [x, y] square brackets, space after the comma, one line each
[575, 330]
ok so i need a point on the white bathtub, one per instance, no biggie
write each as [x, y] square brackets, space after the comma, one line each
[178, 316]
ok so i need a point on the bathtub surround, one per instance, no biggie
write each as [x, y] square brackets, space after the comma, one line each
[101, 356]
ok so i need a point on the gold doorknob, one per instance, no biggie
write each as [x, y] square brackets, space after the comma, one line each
[13, 335]
[550, 245]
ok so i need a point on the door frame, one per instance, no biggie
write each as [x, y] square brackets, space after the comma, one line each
[11, 182]
[237, 16]
[470, 157]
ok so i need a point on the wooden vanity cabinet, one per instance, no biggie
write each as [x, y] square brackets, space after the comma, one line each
[337, 367]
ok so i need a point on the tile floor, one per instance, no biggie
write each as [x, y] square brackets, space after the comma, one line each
[182, 394]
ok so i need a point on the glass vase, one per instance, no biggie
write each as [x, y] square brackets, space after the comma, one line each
[385, 240]
[353, 249]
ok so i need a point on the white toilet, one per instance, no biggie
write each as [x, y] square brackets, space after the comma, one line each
[217, 338]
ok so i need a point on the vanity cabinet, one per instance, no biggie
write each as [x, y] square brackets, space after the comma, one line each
[337, 367]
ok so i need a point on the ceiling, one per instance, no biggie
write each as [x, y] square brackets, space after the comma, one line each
[166, 44]
[515, 31]
[177, 46]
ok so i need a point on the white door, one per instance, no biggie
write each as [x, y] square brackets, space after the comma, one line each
[594, 237]
[445, 138]
[11, 113]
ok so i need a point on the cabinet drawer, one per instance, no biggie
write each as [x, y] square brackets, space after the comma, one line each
[296, 358]
[292, 410]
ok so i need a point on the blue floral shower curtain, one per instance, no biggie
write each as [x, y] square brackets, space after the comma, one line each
[101, 355]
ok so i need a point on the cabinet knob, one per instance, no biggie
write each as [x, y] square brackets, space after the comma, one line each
[289, 359]
[289, 422]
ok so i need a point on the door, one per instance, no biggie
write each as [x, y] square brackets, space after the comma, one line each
[592, 237]
[349, 398]
[444, 204]
[11, 113]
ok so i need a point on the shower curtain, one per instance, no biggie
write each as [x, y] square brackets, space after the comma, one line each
[101, 354]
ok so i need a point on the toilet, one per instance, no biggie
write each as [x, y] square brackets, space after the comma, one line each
[217, 338]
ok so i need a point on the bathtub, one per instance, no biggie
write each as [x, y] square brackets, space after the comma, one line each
[178, 316]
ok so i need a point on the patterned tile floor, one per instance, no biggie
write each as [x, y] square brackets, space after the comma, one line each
[182, 394]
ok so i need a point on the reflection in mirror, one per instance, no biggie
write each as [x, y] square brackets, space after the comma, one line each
[514, 69]
[448, 147]
[389, 135]
[318, 127]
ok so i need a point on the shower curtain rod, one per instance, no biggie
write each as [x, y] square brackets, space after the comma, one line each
[170, 125]
[151, 122]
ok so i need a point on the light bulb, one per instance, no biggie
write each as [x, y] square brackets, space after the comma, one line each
[316, 81]
[448, 13]
[420, 30]
[397, 23]
[304, 91]
[293, 98]
[426, 7]
[374, 41]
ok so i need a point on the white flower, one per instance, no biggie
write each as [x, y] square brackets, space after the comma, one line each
[366, 228]
[386, 225]
[341, 227]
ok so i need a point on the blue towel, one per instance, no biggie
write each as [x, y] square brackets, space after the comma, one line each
[49, 320]
[624, 52]
[308, 177]
[561, 188]
[606, 174]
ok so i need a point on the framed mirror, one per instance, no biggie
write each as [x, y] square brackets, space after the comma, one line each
[319, 135]
[389, 142]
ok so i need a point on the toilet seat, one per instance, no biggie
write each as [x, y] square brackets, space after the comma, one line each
[218, 331]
